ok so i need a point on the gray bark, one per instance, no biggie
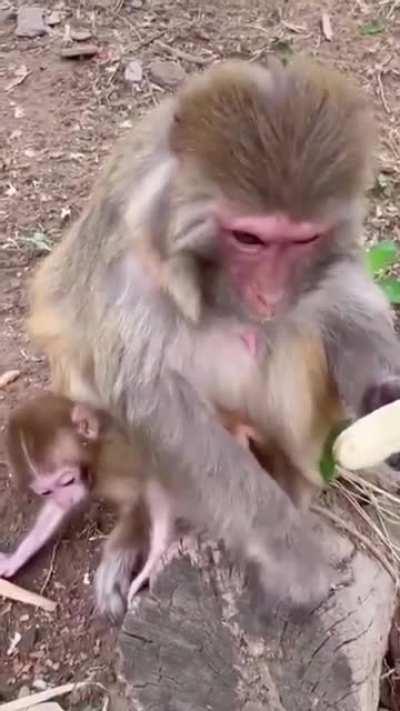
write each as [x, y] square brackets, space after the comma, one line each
[192, 644]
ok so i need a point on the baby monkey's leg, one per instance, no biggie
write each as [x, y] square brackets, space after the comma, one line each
[161, 522]
[122, 554]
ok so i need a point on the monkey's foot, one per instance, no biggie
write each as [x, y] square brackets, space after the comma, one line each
[112, 583]
[291, 582]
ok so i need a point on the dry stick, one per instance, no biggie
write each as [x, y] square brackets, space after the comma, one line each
[51, 568]
[334, 518]
[15, 592]
[26, 702]
[382, 94]
[203, 61]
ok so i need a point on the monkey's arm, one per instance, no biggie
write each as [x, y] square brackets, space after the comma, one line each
[362, 347]
[219, 484]
[49, 520]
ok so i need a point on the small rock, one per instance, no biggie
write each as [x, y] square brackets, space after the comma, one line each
[81, 50]
[80, 35]
[8, 377]
[54, 18]
[167, 74]
[30, 21]
[133, 72]
[136, 4]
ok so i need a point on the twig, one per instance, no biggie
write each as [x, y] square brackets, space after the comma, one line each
[149, 40]
[334, 518]
[184, 55]
[51, 568]
[15, 592]
[118, 6]
[382, 93]
[26, 702]
[297, 29]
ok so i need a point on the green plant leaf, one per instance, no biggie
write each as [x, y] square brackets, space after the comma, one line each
[382, 256]
[283, 48]
[372, 28]
[327, 464]
[391, 287]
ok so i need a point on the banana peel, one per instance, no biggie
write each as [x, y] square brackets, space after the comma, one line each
[364, 443]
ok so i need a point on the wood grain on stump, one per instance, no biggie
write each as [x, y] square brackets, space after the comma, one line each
[192, 643]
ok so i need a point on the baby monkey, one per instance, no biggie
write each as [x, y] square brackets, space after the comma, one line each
[69, 453]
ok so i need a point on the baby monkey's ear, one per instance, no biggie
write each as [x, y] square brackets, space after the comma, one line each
[86, 421]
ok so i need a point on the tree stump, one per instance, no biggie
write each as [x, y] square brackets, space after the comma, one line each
[192, 644]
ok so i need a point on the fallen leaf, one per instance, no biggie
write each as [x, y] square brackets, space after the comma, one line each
[20, 75]
[372, 28]
[9, 377]
[326, 26]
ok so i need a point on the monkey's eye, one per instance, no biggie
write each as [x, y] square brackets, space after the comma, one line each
[312, 239]
[247, 238]
[45, 493]
[68, 482]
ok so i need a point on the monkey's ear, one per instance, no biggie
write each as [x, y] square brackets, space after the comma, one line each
[85, 421]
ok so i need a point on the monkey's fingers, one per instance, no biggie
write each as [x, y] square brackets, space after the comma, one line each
[8, 565]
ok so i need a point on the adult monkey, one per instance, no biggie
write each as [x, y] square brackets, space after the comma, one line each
[217, 266]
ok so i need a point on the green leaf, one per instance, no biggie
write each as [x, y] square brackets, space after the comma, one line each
[391, 287]
[327, 464]
[372, 28]
[382, 256]
[282, 47]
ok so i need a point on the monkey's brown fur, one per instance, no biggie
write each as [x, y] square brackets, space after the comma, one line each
[113, 463]
[227, 108]
[239, 140]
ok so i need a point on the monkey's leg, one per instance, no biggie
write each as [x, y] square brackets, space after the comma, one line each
[161, 519]
[289, 476]
[121, 555]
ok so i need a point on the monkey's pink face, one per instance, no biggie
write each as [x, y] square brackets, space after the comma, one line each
[64, 486]
[263, 256]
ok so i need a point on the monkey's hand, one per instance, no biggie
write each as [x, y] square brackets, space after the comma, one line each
[378, 395]
[279, 583]
[9, 565]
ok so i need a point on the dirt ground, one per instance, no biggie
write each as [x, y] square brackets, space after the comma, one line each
[58, 119]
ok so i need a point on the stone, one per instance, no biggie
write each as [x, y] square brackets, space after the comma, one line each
[166, 74]
[30, 21]
[133, 72]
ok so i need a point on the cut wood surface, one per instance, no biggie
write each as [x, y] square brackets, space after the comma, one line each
[191, 644]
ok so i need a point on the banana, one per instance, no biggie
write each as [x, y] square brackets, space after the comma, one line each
[370, 440]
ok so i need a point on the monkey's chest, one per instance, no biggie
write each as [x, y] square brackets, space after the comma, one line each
[224, 369]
